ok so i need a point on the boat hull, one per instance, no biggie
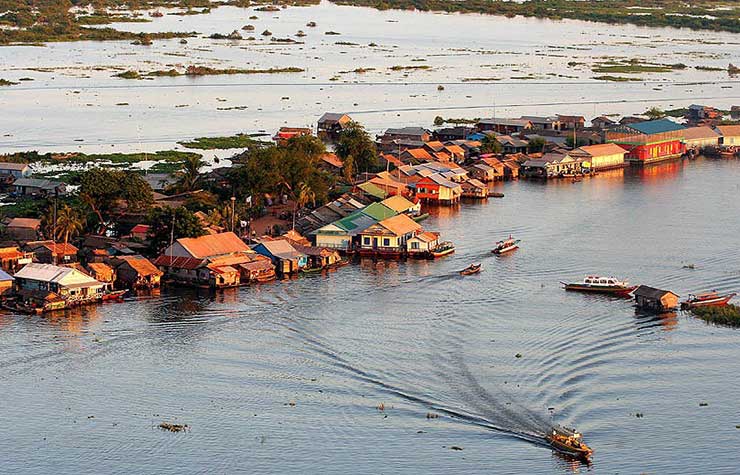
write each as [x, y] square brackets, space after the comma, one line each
[719, 301]
[505, 250]
[584, 453]
[446, 252]
[622, 291]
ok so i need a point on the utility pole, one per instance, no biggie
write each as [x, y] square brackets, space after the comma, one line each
[233, 213]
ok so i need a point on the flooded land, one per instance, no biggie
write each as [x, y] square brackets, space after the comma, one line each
[386, 366]
[384, 68]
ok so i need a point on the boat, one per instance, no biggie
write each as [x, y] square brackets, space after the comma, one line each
[114, 295]
[601, 285]
[339, 263]
[311, 270]
[508, 245]
[471, 269]
[443, 249]
[495, 194]
[569, 441]
[708, 299]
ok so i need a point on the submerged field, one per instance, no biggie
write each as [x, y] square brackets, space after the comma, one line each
[382, 67]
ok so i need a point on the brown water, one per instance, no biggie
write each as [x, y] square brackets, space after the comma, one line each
[84, 392]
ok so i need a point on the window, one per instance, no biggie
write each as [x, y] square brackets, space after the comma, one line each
[386, 242]
[415, 245]
[366, 241]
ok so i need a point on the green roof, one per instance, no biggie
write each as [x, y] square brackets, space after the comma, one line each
[656, 126]
[379, 211]
[373, 190]
[355, 220]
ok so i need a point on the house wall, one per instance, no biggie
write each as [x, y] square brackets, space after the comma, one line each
[6, 287]
[706, 142]
[656, 151]
[731, 140]
[607, 161]
[333, 241]
[372, 241]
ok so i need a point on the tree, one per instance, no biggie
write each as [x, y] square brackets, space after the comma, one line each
[439, 121]
[172, 223]
[356, 148]
[655, 113]
[536, 145]
[188, 177]
[103, 189]
[579, 142]
[303, 195]
[489, 144]
[69, 224]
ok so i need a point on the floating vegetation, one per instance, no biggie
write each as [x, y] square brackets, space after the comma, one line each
[331, 33]
[170, 427]
[248, 28]
[724, 315]
[345, 43]
[204, 71]
[410, 68]
[5, 82]
[615, 78]
[480, 79]
[234, 35]
[213, 143]
[358, 71]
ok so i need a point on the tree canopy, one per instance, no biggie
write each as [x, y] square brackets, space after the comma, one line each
[356, 149]
[167, 223]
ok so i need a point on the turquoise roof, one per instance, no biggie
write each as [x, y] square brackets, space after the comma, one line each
[660, 126]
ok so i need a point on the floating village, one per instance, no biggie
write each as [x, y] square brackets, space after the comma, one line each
[49, 264]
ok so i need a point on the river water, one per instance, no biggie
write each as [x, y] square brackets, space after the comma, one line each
[75, 103]
[337, 373]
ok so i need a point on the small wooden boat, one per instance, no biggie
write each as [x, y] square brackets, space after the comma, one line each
[339, 263]
[601, 285]
[709, 299]
[443, 249]
[495, 194]
[312, 270]
[508, 245]
[570, 442]
[114, 295]
[421, 217]
[471, 269]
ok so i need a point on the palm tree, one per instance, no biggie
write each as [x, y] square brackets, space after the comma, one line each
[303, 196]
[189, 175]
[69, 224]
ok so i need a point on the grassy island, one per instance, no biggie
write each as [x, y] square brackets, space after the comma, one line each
[714, 15]
[725, 315]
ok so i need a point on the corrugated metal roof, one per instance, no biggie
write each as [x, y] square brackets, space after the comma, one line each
[51, 273]
[659, 126]
[213, 245]
[379, 211]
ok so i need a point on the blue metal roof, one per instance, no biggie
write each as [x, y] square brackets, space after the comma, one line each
[5, 276]
[659, 126]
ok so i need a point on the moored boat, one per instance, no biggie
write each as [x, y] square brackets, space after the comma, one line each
[601, 285]
[507, 245]
[708, 299]
[114, 295]
[569, 441]
[471, 269]
[443, 249]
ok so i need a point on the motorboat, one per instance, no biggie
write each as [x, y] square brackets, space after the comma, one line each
[471, 269]
[708, 299]
[601, 285]
[569, 441]
[507, 245]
